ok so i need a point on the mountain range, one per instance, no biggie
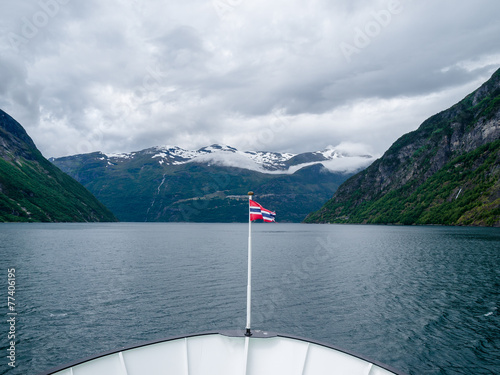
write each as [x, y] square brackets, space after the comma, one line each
[33, 189]
[169, 183]
[445, 172]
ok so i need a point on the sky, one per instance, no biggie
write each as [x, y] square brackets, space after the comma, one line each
[286, 76]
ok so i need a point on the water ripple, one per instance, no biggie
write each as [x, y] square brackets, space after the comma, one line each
[422, 299]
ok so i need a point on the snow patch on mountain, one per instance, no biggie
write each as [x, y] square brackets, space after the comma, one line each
[118, 155]
[236, 159]
[228, 156]
[270, 159]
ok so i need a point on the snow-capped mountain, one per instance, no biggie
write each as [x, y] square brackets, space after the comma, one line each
[260, 161]
[169, 183]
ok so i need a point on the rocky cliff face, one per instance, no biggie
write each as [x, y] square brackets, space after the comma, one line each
[32, 189]
[15, 143]
[413, 159]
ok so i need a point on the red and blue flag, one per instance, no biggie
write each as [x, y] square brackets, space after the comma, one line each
[259, 212]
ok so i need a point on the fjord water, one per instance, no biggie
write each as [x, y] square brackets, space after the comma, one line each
[422, 299]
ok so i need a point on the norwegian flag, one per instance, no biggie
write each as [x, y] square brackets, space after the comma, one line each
[259, 212]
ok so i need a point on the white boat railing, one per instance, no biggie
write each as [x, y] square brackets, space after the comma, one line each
[227, 353]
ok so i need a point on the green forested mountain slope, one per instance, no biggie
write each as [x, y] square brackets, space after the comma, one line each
[33, 189]
[141, 189]
[445, 172]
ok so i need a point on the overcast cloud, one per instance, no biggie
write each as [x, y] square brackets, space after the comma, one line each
[289, 76]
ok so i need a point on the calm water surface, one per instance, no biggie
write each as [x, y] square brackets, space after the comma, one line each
[421, 299]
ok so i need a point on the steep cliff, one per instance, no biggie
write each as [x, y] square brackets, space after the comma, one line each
[33, 189]
[445, 172]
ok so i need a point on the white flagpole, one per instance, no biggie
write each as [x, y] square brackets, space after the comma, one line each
[249, 282]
